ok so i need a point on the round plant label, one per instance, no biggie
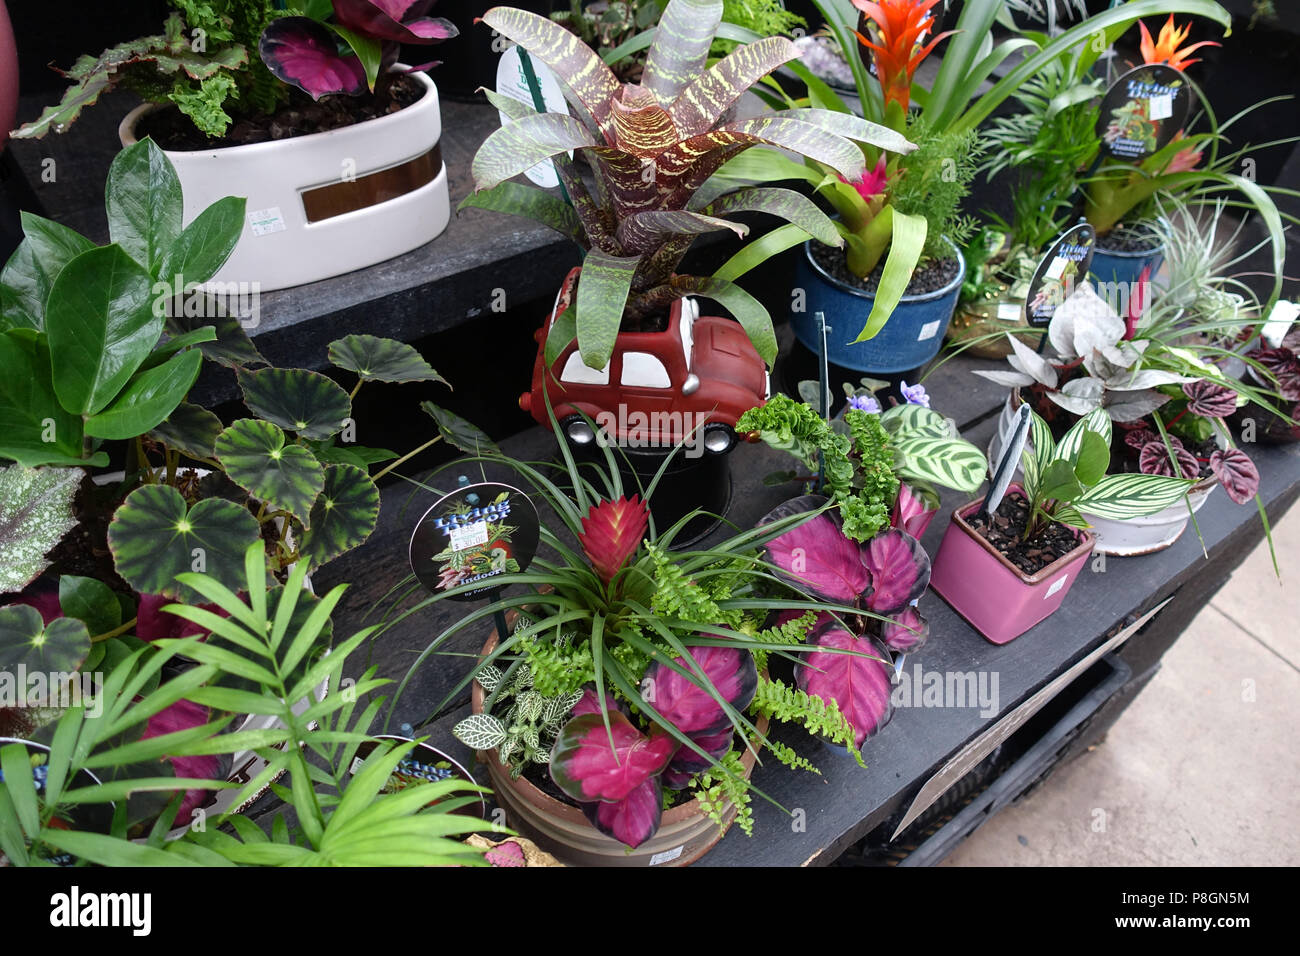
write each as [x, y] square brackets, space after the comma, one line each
[1058, 272]
[473, 535]
[512, 81]
[1142, 111]
[424, 764]
[87, 817]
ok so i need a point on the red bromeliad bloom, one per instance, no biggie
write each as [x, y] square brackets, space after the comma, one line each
[1165, 49]
[872, 183]
[611, 533]
[1137, 304]
[899, 26]
[1185, 159]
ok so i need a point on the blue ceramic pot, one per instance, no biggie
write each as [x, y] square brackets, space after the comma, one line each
[912, 336]
[1124, 267]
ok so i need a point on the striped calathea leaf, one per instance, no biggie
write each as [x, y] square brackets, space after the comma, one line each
[652, 146]
[1120, 497]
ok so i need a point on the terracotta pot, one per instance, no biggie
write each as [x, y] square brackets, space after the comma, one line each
[983, 586]
[684, 835]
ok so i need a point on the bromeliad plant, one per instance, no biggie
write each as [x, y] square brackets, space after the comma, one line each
[652, 145]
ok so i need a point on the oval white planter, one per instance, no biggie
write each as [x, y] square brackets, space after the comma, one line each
[281, 245]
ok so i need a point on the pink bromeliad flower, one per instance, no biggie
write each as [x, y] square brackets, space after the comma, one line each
[872, 183]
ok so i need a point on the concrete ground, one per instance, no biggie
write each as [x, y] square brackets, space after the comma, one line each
[1202, 768]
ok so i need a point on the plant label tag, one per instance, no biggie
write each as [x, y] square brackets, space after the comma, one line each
[1058, 274]
[667, 856]
[1009, 311]
[1161, 107]
[928, 331]
[1142, 111]
[512, 81]
[1279, 322]
[1057, 268]
[263, 222]
[472, 537]
[1056, 586]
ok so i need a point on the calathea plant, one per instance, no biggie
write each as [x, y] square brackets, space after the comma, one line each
[652, 146]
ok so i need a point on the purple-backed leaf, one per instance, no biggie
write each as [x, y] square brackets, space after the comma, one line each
[912, 512]
[686, 763]
[183, 715]
[691, 707]
[900, 570]
[816, 556]
[632, 820]
[1136, 438]
[304, 53]
[1209, 399]
[905, 631]
[587, 768]
[1153, 459]
[860, 686]
[400, 21]
[590, 703]
[1284, 365]
[1237, 473]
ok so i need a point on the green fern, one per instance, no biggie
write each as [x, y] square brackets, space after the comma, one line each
[559, 666]
[792, 633]
[778, 701]
[787, 756]
[718, 787]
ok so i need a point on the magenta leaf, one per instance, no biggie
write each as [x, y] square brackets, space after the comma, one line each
[590, 703]
[905, 631]
[153, 624]
[1154, 459]
[900, 570]
[587, 768]
[1237, 473]
[304, 53]
[1209, 399]
[1284, 365]
[691, 707]
[686, 763]
[388, 20]
[816, 556]
[183, 715]
[1136, 438]
[632, 820]
[860, 686]
[912, 513]
[509, 853]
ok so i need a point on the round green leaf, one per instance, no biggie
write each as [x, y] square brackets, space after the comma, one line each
[343, 516]
[190, 429]
[153, 538]
[256, 458]
[297, 400]
[90, 601]
[24, 640]
[384, 360]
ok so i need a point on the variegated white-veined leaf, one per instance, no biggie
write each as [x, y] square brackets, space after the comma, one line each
[911, 420]
[1120, 497]
[479, 731]
[1097, 420]
[1038, 452]
[950, 462]
[488, 677]
[530, 704]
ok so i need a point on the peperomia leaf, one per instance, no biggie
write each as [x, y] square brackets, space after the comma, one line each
[859, 685]
[816, 556]
[255, 457]
[590, 764]
[190, 429]
[154, 537]
[143, 200]
[1210, 399]
[90, 601]
[297, 400]
[385, 360]
[343, 515]
[34, 428]
[632, 820]
[906, 631]
[148, 398]
[101, 325]
[900, 570]
[688, 705]
[26, 640]
[305, 54]
[35, 513]
[1236, 472]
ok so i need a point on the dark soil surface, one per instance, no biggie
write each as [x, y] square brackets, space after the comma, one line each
[1128, 239]
[1008, 525]
[84, 550]
[930, 276]
[171, 129]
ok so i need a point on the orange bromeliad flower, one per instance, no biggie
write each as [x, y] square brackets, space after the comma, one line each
[611, 533]
[1165, 49]
[899, 26]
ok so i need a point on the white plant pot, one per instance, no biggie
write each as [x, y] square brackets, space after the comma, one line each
[1133, 536]
[281, 245]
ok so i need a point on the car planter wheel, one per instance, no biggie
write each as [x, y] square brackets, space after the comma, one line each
[675, 392]
[326, 203]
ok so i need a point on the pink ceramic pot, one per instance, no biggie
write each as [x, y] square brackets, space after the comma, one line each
[997, 598]
[8, 76]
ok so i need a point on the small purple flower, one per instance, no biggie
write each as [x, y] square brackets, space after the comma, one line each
[864, 403]
[914, 394]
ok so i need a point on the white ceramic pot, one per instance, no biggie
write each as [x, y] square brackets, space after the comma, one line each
[293, 231]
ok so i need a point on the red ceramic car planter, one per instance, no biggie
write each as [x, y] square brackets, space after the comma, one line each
[688, 383]
[997, 598]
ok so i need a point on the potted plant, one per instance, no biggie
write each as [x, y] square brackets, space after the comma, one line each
[1275, 369]
[341, 161]
[1006, 571]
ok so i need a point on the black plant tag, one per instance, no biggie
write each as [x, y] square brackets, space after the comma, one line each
[1059, 274]
[474, 534]
[1142, 111]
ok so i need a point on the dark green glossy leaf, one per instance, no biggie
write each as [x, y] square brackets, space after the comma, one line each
[1093, 460]
[35, 513]
[232, 347]
[35, 264]
[153, 538]
[297, 400]
[384, 360]
[34, 428]
[148, 398]
[90, 601]
[254, 455]
[190, 429]
[343, 516]
[143, 200]
[330, 454]
[465, 435]
[101, 325]
[206, 243]
[25, 640]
